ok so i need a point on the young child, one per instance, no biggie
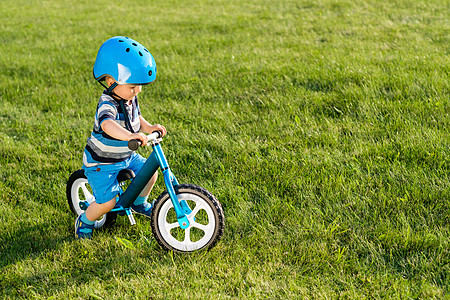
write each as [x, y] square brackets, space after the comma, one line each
[122, 66]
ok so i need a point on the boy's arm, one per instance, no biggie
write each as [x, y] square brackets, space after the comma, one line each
[148, 128]
[118, 132]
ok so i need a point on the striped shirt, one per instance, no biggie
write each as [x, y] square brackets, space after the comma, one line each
[102, 148]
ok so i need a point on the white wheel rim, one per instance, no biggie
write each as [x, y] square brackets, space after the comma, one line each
[187, 244]
[78, 185]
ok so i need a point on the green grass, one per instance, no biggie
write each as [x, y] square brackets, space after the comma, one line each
[321, 126]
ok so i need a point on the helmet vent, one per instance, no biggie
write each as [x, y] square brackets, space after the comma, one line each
[134, 44]
[150, 73]
[120, 41]
[128, 49]
[140, 53]
[145, 50]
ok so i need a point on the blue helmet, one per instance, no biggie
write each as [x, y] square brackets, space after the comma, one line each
[125, 60]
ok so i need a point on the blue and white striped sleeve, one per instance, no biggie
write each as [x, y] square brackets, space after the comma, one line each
[106, 110]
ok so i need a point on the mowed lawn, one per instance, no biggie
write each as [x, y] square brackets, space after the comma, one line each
[321, 126]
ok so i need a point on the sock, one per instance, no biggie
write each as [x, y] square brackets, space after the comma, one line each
[140, 200]
[84, 219]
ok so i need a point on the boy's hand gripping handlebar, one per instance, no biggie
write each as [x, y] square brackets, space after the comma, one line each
[135, 144]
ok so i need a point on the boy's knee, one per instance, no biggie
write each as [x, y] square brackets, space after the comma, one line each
[110, 204]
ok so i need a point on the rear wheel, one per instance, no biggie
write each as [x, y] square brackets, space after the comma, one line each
[78, 192]
[206, 220]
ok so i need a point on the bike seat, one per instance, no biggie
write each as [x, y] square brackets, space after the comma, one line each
[125, 175]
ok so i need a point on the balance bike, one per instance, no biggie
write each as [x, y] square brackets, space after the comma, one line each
[184, 218]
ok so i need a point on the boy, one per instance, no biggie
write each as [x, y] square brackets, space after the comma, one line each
[124, 65]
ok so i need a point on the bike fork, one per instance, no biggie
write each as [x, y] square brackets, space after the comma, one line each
[181, 208]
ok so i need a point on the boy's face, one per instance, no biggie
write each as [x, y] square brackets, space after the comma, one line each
[127, 92]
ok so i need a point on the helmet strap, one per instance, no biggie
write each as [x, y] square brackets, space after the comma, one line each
[126, 117]
[111, 87]
[109, 91]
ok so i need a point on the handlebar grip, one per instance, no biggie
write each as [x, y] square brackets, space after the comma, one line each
[135, 144]
[159, 134]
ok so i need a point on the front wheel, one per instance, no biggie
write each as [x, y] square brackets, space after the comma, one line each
[206, 220]
[78, 191]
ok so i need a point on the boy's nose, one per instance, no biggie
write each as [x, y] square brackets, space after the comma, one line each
[138, 89]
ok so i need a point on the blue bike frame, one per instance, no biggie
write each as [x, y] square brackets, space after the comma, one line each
[155, 160]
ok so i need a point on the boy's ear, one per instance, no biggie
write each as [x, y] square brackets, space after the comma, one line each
[109, 80]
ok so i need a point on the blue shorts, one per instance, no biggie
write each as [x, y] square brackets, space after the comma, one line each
[103, 178]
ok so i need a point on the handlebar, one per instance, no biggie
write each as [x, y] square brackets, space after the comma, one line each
[135, 144]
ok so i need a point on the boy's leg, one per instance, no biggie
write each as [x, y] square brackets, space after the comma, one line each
[84, 224]
[140, 205]
[95, 210]
[105, 187]
[135, 163]
[148, 188]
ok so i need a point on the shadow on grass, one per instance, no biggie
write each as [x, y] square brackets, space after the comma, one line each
[28, 240]
[43, 260]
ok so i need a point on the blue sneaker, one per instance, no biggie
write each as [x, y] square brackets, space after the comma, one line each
[144, 209]
[83, 230]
